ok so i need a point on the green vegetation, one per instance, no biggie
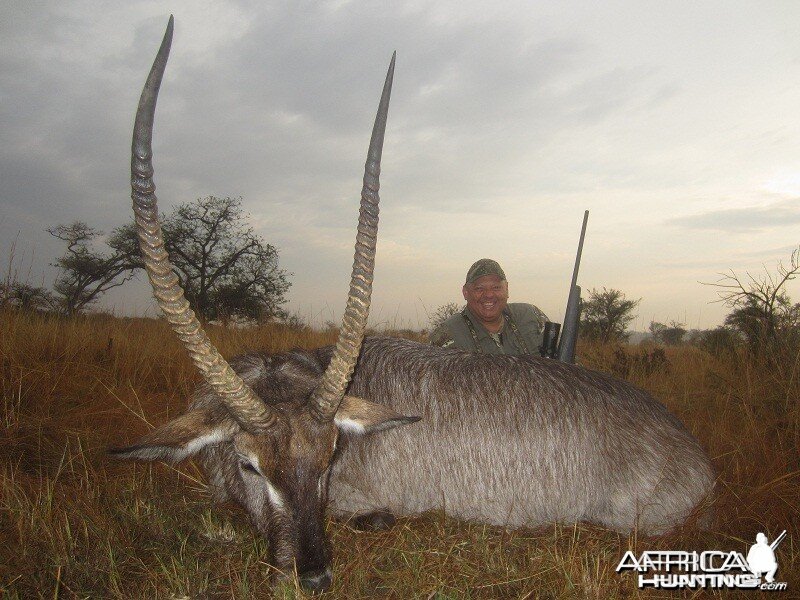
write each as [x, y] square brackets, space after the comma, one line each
[605, 316]
[227, 271]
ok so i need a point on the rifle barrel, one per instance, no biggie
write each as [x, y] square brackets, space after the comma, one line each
[569, 333]
[580, 250]
[777, 540]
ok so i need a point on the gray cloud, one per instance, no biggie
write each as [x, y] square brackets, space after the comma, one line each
[500, 117]
[737, 220]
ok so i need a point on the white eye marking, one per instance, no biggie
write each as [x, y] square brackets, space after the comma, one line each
[274, 496]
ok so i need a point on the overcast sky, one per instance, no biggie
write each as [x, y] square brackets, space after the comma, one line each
[677, 124]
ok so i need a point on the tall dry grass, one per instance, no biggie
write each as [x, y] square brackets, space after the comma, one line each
[75, 524]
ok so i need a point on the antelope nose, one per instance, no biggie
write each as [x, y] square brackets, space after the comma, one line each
[317, 581]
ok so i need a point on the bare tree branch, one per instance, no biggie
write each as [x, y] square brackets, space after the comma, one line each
[761, 308]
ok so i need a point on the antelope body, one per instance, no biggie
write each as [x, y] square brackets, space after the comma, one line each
[503, 440]
[517, 441]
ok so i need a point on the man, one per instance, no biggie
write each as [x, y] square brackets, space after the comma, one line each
[488, 324]
[761, 558]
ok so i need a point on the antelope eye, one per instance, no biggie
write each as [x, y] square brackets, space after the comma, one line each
[246, 466]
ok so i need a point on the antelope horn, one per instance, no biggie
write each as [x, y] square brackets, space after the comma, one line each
[248, 410]
[326, 398]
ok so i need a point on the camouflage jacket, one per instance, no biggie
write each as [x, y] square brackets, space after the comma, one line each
[521, 332]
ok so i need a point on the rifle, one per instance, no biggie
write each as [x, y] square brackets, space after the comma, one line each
[565, 352]
[777, 540]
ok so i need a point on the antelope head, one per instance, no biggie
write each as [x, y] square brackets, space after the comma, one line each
[268, 442]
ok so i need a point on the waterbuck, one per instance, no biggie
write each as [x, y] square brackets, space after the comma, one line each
[503, 440]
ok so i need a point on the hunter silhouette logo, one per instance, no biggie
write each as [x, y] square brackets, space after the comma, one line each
[713, 569]
[761, 558]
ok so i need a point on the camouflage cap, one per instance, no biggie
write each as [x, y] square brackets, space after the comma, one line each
[485, 266]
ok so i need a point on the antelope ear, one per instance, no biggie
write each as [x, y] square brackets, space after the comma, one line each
[180, 438]
[356, 415]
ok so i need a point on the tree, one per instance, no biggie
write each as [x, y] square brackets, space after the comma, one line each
[669, 335]
[656, 329]
[27, 297]
[606, 315]
[762, 311]
[717, 341]
[444, 312]
[87, 273]
[225, 268]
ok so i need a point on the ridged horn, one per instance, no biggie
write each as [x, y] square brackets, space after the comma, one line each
[248, 410]
[326, 398]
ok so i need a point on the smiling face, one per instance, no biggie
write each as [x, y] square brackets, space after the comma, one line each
[486, 298]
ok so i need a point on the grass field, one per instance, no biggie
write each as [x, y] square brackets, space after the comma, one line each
[74, 524]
